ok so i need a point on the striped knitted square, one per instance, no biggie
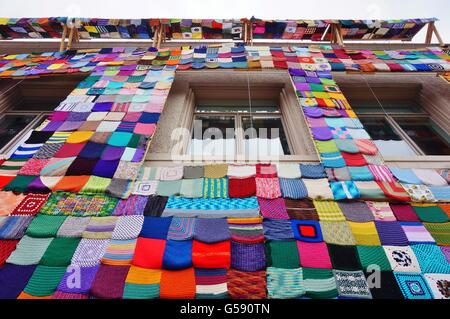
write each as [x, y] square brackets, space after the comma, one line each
[373, 256]
[329, 211]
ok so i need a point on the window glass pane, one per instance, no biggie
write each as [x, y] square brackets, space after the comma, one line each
[12, 125]
[266, 128]
[213, 127]
[425, 134]
[379, 129]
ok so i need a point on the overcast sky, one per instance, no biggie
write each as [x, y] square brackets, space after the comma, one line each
[269, 9]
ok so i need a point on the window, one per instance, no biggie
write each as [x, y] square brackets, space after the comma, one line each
[15, 125]
[232, 127]
[395, 118]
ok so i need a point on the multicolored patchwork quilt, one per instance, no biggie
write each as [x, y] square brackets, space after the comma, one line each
[77, 197]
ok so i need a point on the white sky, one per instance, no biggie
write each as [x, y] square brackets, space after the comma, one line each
[268, 9]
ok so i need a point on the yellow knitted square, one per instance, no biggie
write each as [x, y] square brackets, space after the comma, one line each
[365, 234]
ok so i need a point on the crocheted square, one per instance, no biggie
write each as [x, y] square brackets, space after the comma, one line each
[338, 233]
[142, 283]
[391, 233]
[308, 231]
[149, 253]
[89, 252]
[439, 285]
[31, 204]
[282, 254]
[273, 208]
[352, 284]
[431, 259]
[319, 283]
[387, 288]
[373, 256]
[402, 259]
[248, 257]
[416, 233]
[246, 285]
[344, 257]
[29, 251]
[365, 233]
[285, 283]
[314, 255]
[413, 286]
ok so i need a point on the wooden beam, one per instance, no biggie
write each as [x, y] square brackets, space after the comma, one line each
[63, 39]
[430, 31]
[438, 36]
[156, 35]
[70, 39]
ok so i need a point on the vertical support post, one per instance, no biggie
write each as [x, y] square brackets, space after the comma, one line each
[71, 37]
[430, 31]
[63, 38]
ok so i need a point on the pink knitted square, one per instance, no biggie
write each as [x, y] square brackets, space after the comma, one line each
[273, 208]
[314, 255]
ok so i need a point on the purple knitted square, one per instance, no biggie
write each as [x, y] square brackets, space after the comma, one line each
[78, 279]
[211, 230]
[247, 257]
[446, 251]
[391, 233]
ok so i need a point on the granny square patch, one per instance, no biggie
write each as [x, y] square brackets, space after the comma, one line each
[307, 231]
[31, 204]
[413, 286]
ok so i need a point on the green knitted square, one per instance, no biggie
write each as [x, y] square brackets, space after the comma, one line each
[282, 254]
[431, 214]
[440, 232]
[60, 252]
[44, 280]
[45, 226]
[319, 283]
[373, 255]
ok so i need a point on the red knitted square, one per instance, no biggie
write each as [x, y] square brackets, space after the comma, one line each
[241, 187]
